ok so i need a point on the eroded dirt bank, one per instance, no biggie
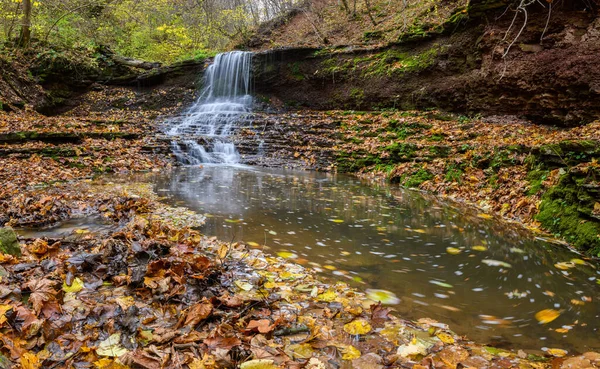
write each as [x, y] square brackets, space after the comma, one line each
[549, 74]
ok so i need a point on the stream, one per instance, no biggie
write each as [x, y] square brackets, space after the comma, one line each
[486, 278]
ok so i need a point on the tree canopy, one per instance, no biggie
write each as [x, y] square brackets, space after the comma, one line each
[161, 30]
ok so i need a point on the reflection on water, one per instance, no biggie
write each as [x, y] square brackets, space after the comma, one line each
[484, 278]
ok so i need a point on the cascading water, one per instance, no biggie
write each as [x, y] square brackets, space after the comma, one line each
[223, 107]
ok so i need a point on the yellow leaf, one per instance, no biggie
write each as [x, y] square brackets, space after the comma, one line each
[287, 255]
[446, 338]
[222, 252]
[243, 285]
[479, 248]
[111, 346]
[30, 361]
[564, 265]
[484, 216]
[75, 287]
[383, 296]
[557, 352]
[546, 316]
[349, 352]
[259, 364]
[106, 363]
[359, 326]
[253, 244]
[337, 220]
[453, 250]
[81, 231]
[327, 296]
[125, 302]
[3, 310]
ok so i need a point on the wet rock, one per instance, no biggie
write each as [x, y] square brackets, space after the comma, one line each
[8, 242]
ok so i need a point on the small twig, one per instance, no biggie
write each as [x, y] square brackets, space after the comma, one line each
[547, 23]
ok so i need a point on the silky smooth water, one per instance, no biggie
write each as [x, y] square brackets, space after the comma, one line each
[378, 236]
[222, 108]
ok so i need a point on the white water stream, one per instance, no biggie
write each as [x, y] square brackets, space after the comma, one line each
[223, 107]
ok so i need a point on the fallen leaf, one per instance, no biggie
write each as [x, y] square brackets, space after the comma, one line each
[358, 326]
[111, 346]
[197, 313]
[546, 316]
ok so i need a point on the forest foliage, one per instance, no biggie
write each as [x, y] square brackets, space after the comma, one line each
[157, 30]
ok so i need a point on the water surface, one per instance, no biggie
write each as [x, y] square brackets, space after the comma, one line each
[485, 278]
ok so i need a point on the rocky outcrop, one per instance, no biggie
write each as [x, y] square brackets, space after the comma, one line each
[459, 69]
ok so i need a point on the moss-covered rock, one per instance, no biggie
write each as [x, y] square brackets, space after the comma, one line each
[8, 242]
[566, 209]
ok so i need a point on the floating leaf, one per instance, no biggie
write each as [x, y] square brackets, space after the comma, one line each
[383, 296]
[546, 316]
[358, 326]
[578, 262]
[499, 263]
[337, 220]
[111, 346]
[516, 250]
[233, 220]
[441, 284]
[453, 250]
[484, 216]
[479, 248]
[273, 233]
[287, 255]
[253, 244]
[564, 265]
[75, 287]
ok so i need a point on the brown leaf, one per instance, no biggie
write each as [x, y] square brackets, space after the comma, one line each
[42, 291]
[198, 312]
[219, 342]
[379, 313]
[231, 301]
[263, 326]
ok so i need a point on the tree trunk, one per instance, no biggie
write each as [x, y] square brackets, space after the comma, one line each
[25, 35]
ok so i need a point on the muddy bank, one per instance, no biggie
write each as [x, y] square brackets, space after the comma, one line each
[457, 67]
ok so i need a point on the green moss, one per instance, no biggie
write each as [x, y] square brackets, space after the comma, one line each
[295, 71]
[536, 178]
[454, 173]
[439, 151]
[356, 160]
[401, 151]
[560, 213]
[417, 178]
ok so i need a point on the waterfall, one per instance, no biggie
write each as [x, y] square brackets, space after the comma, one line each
[223, 107]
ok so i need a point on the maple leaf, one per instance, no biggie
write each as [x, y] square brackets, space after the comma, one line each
[42, 291]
